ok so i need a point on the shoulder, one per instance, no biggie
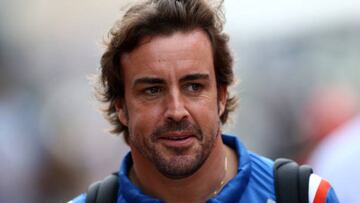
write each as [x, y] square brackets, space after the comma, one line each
[79, 199]
[261, 162]
[258, 169]
[260, 187]
[254, 179]
[320, 190]
[261, 172]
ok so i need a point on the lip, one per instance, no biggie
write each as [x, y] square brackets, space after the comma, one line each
[177, 140]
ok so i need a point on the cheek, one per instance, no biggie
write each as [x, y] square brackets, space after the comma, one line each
[207, 103]
[205, 112]
[143, 118]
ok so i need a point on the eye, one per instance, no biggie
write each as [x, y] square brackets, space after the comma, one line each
[152, 91]
[194, 87]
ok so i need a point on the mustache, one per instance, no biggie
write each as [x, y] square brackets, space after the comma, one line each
[177, 126]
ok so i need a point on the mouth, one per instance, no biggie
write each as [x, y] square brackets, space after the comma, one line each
[177, 140]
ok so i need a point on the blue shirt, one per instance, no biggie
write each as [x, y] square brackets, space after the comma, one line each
[254, 181]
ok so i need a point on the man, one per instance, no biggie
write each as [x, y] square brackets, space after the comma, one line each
[165, 78]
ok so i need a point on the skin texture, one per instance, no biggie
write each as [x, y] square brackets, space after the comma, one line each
[172, 109]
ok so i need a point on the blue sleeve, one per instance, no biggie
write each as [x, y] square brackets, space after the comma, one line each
[79, 199]
[331, 196]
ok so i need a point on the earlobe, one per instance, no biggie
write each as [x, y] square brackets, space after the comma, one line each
[121, 112]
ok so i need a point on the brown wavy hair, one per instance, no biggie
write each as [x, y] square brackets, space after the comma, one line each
[162, 17]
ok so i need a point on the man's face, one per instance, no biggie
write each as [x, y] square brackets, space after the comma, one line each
[171, 105]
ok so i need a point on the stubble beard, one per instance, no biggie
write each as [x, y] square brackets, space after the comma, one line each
[176, 163]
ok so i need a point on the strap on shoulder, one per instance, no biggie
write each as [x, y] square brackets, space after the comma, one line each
[104, 191]
[291, 181]
[304, 174]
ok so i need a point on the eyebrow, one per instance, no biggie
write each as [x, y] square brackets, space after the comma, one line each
[197, 76]
[154, 80]
[149, 80]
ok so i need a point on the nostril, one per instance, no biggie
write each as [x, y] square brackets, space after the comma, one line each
[176, 114]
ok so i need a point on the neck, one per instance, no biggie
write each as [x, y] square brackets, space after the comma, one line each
[214, 172]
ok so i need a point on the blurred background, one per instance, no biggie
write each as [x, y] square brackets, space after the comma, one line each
[297, 64]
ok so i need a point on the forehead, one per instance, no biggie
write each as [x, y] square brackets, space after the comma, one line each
[179, 52]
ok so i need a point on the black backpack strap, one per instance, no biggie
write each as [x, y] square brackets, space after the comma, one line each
[304, 176]
[104, 191]
[291, 181]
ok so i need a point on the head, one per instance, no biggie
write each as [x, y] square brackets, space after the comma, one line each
[137, 65]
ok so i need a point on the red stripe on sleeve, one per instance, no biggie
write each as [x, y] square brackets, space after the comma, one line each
[321, 192]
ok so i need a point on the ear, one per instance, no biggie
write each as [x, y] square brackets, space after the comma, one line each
[121, 111]
[222, 97]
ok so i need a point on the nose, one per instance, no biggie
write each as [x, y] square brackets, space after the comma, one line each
[175, 107]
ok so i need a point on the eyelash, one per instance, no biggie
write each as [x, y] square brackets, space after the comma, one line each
[149, 90]
[191, 88]
[198, 87]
